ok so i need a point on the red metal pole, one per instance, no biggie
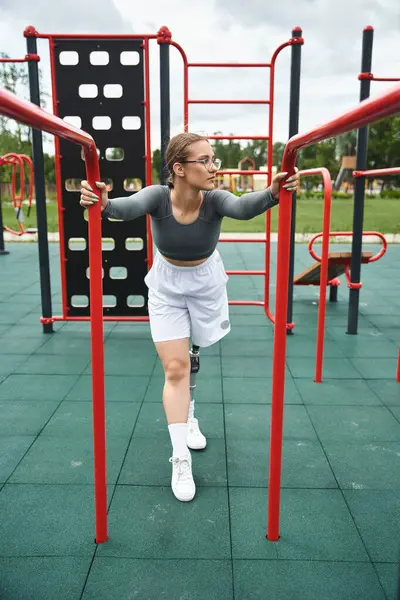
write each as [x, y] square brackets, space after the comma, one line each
[323, 280]
[59, 190]
[366, 112]
[377, 172]
[269, 178]
[185, 85]
[29, 114]
[148, 147]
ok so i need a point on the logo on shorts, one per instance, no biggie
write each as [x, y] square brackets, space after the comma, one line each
[225, 325]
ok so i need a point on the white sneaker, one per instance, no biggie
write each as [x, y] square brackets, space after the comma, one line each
[182, 483]
[195, 440]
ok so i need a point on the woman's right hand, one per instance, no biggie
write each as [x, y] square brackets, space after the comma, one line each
[88, 197]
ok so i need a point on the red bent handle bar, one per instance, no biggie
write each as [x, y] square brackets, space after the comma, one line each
[346, 234]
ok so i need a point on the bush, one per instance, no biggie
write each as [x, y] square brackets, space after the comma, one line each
[320, 195]
[390, 194]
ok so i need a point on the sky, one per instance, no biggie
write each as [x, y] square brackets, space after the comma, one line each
[232, 31]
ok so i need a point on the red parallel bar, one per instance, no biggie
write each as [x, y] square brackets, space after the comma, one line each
[228, 101]
[366, 112]
[263, 65]
[244, 240]
[59, 187]
[377, 172]
[148, 147]
[27, 58]
[29, 114]
[238, 137]
[245, 303]
[241, 172]
[371, 77]
[30, 31]
[323, 279]
[245, 273]
[117, 319]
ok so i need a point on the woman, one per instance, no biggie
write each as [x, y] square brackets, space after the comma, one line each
[187, 282]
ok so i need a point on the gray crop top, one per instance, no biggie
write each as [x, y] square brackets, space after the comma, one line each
[196, 240]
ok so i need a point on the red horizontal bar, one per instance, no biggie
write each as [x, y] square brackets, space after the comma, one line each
[242, 172]
[244, 240]
[377, 172]
[228, 102]
[383, 106]
[27, 58]
[245, 303]
[386, 79]
[265, 65]
[246, 273]
[238, 137]
[371, 77]
[94, 36]
[117, 319]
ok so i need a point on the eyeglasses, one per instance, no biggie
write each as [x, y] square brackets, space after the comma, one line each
[207, 162]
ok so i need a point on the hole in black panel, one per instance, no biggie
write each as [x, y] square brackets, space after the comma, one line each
[79, 301]
[129, 58]
[101, 123]
[135, 301]
[118, 273]
[77, 244]
[69, 58]
[131, 123]
[99, 58]
[132, 184]
[88, 90]
[73, 185]
[114, 154]
[134, 244]
[112, 90]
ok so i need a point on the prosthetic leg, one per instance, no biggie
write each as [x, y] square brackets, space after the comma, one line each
[195, 439]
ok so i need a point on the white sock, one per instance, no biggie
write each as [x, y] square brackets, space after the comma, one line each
[178, 433]
[191, 410]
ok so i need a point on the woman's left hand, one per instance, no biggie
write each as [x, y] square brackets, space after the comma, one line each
[290, 184]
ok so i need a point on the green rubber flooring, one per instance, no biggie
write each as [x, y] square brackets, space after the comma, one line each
[340, 498]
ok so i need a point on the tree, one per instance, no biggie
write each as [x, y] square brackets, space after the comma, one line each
[384, 147]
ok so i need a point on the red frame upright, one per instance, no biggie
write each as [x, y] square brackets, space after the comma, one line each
[266, 273]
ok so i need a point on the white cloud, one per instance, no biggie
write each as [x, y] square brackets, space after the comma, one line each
[234, 31]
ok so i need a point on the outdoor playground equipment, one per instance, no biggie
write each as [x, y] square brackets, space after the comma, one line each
[18, 160]
[118, 115]
[338, 263]
[17, 203]
[25, 112]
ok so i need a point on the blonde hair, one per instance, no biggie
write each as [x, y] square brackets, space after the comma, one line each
[178, 151]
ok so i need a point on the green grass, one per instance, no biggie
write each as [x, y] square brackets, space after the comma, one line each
[380, 215]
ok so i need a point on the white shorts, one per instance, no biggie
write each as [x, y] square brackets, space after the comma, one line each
[188, 300]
